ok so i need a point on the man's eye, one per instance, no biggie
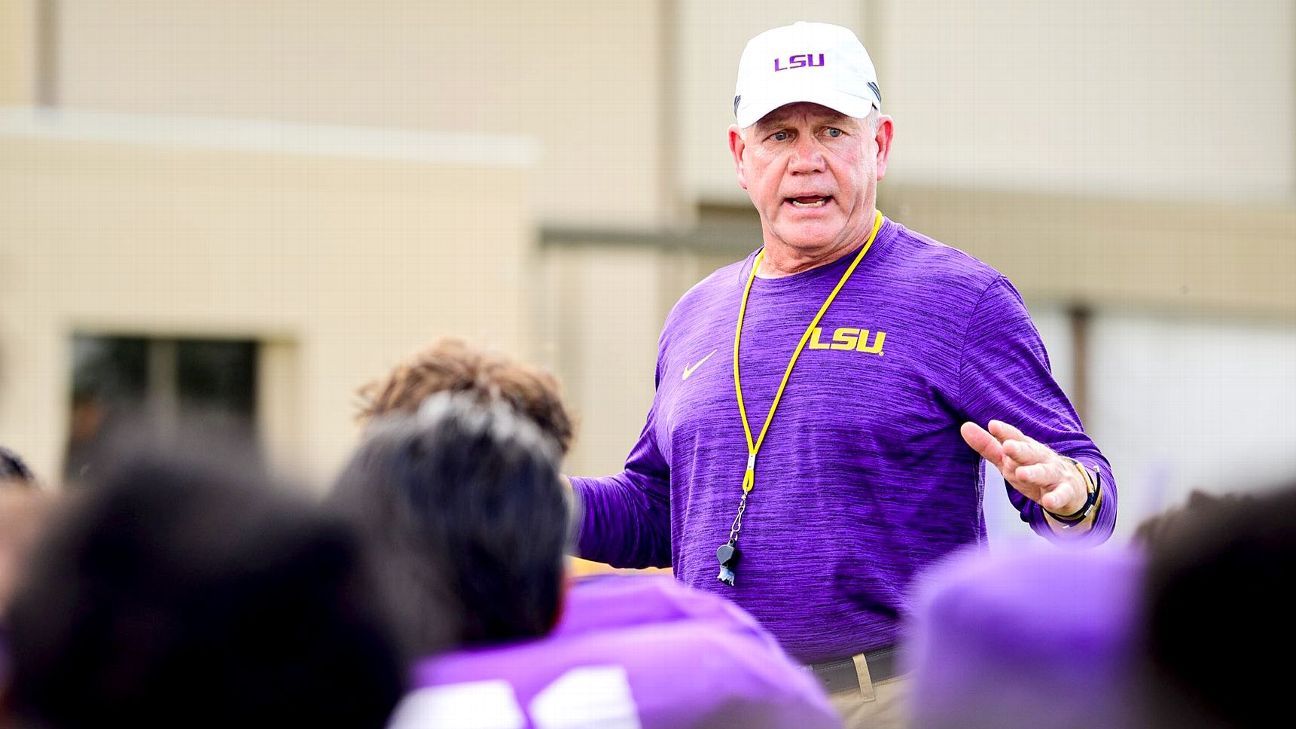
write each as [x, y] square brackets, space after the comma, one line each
[834, 132]
[780, 136]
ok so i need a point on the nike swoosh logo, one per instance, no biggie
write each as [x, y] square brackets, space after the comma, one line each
[689, 370]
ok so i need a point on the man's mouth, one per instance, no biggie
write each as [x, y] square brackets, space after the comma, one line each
[809, 201]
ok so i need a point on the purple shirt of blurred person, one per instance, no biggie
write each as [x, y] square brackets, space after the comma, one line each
[1033, 640]
[631, 652]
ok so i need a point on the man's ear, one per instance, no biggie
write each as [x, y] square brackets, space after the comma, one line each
[885, 134]
[736, 147]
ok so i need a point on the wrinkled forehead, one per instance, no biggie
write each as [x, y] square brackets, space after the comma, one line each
[804, 112]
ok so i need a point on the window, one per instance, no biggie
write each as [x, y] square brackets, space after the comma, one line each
[208, 386]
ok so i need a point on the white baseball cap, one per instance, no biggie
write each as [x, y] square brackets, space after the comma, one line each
[816, 62]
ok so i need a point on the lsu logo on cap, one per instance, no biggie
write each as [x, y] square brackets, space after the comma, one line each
[801, 60]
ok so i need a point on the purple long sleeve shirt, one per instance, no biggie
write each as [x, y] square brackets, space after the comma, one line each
[863, 479]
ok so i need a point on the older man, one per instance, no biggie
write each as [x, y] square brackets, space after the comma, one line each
[806, 452]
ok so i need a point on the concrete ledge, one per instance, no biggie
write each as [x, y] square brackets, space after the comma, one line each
[250, 135]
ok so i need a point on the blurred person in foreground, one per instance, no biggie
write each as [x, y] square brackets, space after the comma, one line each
[177, 591]
[807, 449]
[464, 506]
[418, 561]
[1217, 629]
[1155, 530]
[1072, 640]
[1028, 640]
[23, 513]
[24, 508]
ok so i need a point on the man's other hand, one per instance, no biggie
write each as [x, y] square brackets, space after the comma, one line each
[1029, 466]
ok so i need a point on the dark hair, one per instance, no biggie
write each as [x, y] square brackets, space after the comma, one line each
[13, 470]
[449, 365]
[1158, 528]
[176, 592]
[1214, 615]
[467, 517]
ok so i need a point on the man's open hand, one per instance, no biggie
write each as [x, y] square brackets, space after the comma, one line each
[1029, 466]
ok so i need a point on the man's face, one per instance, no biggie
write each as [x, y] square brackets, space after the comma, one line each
[812, 174]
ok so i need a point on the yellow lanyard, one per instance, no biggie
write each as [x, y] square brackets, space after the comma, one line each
[727, 554]
[753, 447]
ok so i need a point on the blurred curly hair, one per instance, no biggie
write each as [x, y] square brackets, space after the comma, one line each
[450, 365]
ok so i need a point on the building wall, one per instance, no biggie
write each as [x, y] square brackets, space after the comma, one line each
[598, 330]
[581, 76]
[1116, 253]
[603, 301]
[339, 258]
[1185, 100]
[17, 51]
[1179, 100]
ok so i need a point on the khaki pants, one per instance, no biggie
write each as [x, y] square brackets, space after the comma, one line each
[885, 709]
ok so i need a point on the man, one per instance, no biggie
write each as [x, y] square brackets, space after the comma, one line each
[806, 450]
[187, 592]
[463, 507]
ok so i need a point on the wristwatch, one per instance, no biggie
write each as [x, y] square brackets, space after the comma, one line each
[1093, 484]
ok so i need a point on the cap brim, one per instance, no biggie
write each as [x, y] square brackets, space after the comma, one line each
[751, 110]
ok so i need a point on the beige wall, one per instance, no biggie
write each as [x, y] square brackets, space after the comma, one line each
[1146, 100]
[342, 260]
[600, 314]
[602, 305]
[1182, 100]
[1115, 254]
[17, 51]
[582, 76]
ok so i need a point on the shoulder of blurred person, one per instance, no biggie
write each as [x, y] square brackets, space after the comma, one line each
[187, 590]
[615, 600]
[630, 650]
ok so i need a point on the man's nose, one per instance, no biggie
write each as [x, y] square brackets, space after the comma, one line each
[807, 156]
